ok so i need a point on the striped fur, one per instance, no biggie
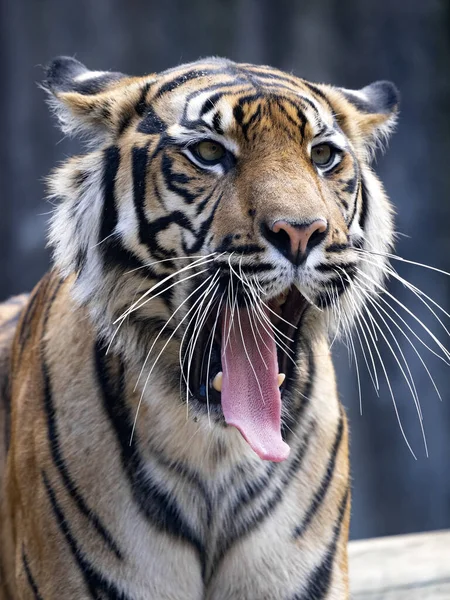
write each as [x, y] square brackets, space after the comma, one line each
[180, 507]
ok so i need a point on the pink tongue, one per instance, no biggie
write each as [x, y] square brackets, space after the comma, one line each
[251, 399]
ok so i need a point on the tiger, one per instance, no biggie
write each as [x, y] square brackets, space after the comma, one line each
[170, 425]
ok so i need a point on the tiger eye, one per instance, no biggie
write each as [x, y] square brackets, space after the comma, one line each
[321, 154]
[209, 151]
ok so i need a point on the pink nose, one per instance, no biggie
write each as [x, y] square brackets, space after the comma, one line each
[295, 240]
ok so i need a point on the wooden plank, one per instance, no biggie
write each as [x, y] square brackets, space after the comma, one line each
[404, 567]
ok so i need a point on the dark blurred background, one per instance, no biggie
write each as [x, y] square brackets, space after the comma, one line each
[344, 42]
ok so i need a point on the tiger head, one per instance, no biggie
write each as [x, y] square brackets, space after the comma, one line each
[217, 220]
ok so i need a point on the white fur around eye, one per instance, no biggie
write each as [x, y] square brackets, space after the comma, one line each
[218, 169]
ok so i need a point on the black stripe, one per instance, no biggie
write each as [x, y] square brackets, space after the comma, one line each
[239, 528]
[203, 230]
[190, 477]
[324, 484]
[29, 312]
[355, 206]
[176, 217]
[149, 230]
[330, 267]
[204, 202]
[157, 505]
[177, 182]
[179, 80]
[109, 218]
[255, 116]
[238, 112]
[319, 581]
[294, 414]
[140, 158]
[141, 105]
[95, 582]
[113, 252]
[263, 72]
[350, 185]
[30, 578]
[259, 268]
[338, 285]
[255, 81]
[147, 326]
[242, 84]
[342, 200]
[315, 90]
[151, 124]
[61, 466]
[80, 261]
[364, 204]
[217, 123]
[300, 98]
[210, 103]
[252, 489]
[272, 77]
[55, 449]
[301, 117]
[337, 247]
[116, 255]
[124, 122]
[248, 269]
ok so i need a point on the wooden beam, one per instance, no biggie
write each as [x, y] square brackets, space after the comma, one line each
[404, 567]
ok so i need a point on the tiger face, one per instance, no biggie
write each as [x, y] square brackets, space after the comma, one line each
[215, 224]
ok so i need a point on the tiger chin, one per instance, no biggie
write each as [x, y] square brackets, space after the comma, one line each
[170, 426]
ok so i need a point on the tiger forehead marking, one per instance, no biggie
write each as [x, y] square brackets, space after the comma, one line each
[233, 107]
[267, 123]
[175, 429]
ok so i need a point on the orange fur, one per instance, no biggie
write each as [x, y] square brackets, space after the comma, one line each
[78, 493]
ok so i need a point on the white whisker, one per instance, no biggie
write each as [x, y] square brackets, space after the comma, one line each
[417, 292]
[155, 362]
[164, 260]
[254, 333]
[138, 304]
[378, 305]
[410, 380]
[360, 319]
[401, 259]
[248, 358]
[210, 352]
[127, 313]
[164, 327]
[430, 333]
[200, 322]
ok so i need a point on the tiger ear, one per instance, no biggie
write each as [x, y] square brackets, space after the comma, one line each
[369, 114]
[90, 102]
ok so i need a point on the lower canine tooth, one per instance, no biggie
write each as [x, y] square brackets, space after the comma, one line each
[280, 379]
[217, 382]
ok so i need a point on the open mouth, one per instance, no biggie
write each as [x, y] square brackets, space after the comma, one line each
[244, 360]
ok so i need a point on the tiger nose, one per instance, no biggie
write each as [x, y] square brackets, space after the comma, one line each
[295, 240]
